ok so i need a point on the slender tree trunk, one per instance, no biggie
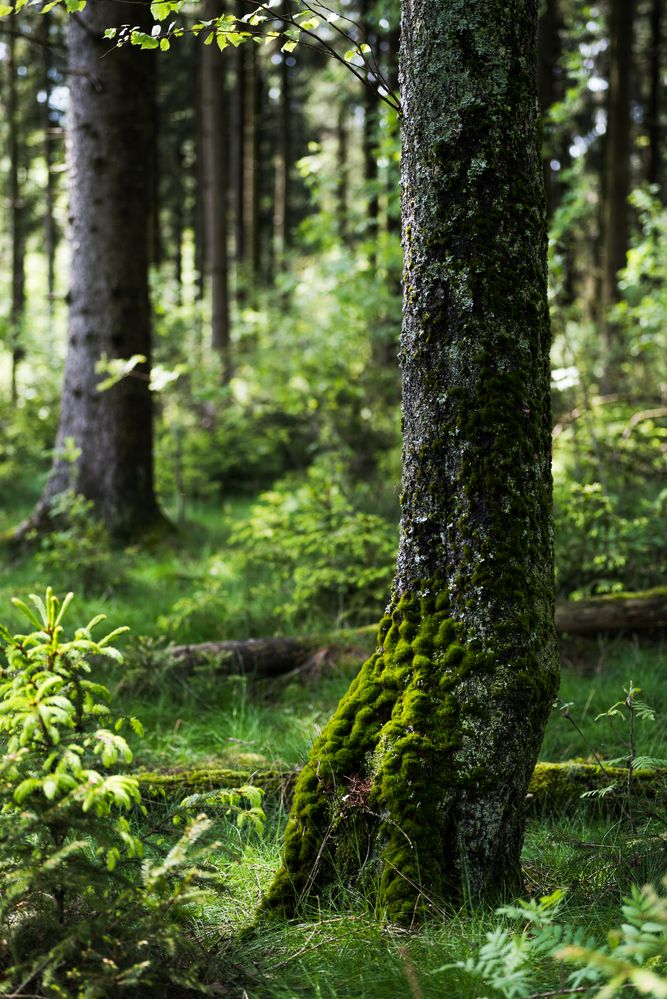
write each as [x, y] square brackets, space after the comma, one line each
[616, 183]
[156, 244]
[548, 84]
[199, 214]
[250, 164]
[109, 158]
[425, 765]
[654, 168]
[16, 213]
[214, 171]
[342, 168]
[370, 141]
[178, 224]
[283, 160]
[50, 228]
[237, 174]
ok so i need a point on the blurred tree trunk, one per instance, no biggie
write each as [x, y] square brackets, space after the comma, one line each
[16, 211]
[50, 228]
[370, 138]
[616, 183]
[237, 176]
[214, 195]
[110, 159]
[250, 201]
[283, 160]
[654, 167]
[156, 241]
[342, 168]
[424, 768]
[549, 50]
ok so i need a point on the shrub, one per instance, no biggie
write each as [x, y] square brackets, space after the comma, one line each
[84, 911]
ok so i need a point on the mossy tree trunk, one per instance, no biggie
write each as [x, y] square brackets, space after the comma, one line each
[419, 780]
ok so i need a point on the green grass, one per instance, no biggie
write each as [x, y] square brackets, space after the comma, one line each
[345, 951]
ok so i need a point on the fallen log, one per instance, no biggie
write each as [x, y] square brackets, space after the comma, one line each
[267, 658]
[556, 786]
[264, 657]
[614, 612]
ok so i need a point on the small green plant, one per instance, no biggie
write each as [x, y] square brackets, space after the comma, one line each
[81, 914]
[525, 959]
[77, 548]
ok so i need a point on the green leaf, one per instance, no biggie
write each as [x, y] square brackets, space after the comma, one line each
[161, 9]
[5, 10]
[288, 46]
[28, 611]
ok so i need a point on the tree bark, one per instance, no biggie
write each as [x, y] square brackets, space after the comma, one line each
[214, 177]
[425, 766]
[110, 158]
[616, 182]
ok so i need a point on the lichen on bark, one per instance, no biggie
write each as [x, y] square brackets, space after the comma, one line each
[425, 765]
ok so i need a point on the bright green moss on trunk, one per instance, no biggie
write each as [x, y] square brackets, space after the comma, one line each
[411, 770]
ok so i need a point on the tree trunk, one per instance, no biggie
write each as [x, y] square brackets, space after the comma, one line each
[549, 50]
[16, 213]
[50, 228]
[237, 178]
[654, 169]
[342, 168]
[283, 160]
[370, 141]
[425, 766]
[616, 182]
[110, 158]
[214, 176]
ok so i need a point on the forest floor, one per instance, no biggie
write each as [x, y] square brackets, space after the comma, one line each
[594, 853]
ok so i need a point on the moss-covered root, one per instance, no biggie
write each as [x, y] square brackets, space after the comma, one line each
[423, 770]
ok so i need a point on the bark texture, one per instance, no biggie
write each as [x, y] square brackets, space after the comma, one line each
[424, 767]
[110, 184]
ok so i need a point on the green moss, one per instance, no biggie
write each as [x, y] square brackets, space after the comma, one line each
[397, 735]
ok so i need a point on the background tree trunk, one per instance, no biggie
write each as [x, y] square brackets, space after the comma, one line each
[16, 211]
[616, 181]
[426, 762]
[214, 177]
[654, 169]
[110, 182]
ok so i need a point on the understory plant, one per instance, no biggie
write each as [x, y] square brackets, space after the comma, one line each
[85, 910]
[516, 959]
